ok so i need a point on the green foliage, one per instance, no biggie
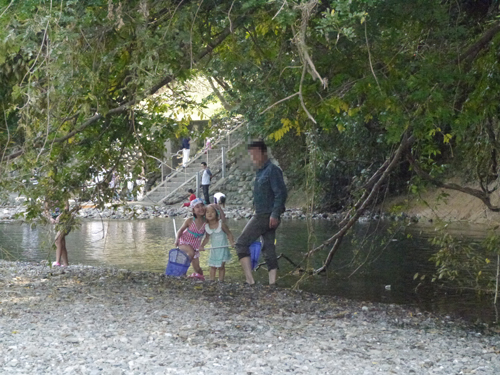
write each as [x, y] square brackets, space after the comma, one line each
[97, 86]
[287, 126]
[391, 67]
[464, 262]
[455, 259]
[72, 80]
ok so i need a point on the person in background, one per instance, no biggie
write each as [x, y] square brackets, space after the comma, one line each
[113, 184]
[186, 144]
[62, 231]
[269, 197]
[140, 183]
[208, 144]
[192, 197]
[205, 181]
[220, 205]
[130, 187]
[220, 199]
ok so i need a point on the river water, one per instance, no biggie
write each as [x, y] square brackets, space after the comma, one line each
[377, 261]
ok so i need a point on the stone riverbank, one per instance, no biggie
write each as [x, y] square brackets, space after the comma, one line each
[141, 211]
[86, 320]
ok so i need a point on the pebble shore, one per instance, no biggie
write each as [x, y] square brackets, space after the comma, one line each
[88, 320]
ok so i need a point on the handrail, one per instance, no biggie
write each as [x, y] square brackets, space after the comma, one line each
[176, 172]
[193, 159]
[177, 188]
[230, 132]
[161, 185]
[201, 152]
[189, 180]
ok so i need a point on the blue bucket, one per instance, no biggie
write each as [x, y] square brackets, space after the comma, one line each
[178, 263]
[255, 253]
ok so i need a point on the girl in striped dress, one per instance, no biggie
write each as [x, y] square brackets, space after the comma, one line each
[190, 235]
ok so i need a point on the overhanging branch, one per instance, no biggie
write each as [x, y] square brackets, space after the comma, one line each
[353, 215]
[126, 106]
[471, 53]
[483, 196]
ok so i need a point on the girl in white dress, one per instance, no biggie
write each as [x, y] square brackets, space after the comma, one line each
[219, 233]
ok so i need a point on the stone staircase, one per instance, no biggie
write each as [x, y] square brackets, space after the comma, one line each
[184, 178]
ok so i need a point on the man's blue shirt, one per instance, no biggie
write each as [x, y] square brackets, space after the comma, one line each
[269, 193]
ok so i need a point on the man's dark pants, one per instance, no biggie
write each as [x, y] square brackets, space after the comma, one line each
[256, 227]
[205, 193]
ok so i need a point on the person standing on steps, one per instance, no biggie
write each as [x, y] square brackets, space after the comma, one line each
[269, 197]
[205, 181]
[186, 142]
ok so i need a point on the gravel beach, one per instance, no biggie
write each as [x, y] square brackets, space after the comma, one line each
[87, 320]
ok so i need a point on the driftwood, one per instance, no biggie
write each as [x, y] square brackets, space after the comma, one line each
[284, 257]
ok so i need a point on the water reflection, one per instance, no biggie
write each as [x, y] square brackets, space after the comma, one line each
[372, 258]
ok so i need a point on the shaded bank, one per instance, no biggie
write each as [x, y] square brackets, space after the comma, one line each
[444, 204]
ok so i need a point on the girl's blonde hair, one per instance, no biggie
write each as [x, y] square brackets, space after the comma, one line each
[217, 213]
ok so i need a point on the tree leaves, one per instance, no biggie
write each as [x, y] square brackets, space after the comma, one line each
[287, 126]
[85, 61]
[72, 103]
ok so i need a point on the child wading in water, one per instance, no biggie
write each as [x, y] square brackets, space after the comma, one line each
[63, 229]
[190, 235]
[218, 232]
